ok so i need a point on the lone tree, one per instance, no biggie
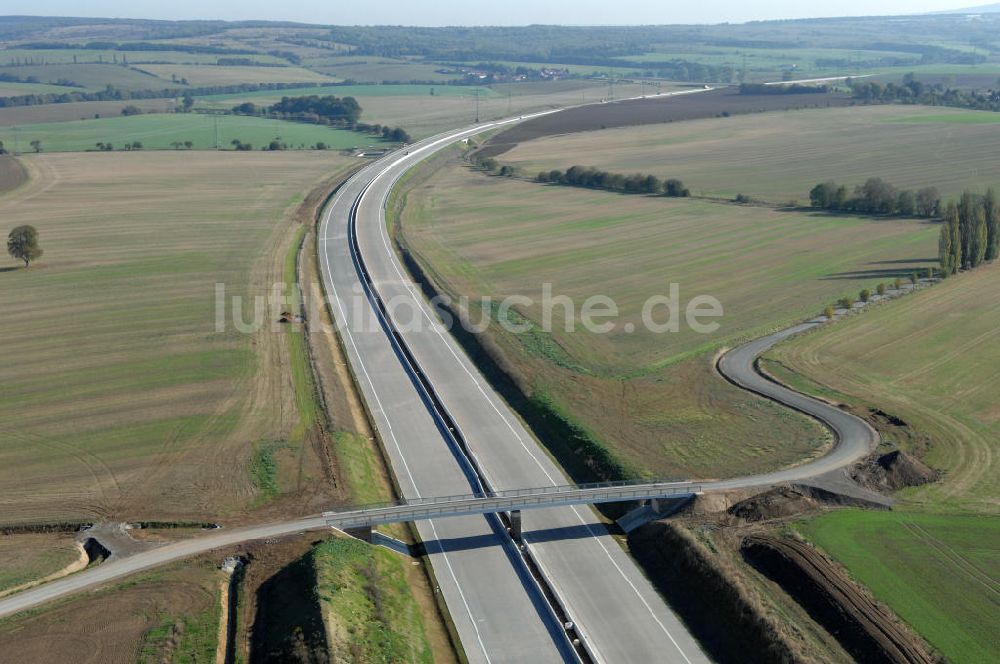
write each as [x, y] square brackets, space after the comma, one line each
[22, 243]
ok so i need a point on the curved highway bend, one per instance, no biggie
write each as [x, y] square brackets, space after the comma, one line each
[492, 600]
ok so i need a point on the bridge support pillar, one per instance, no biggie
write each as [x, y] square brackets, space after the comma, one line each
[363, 533]
[515, 524]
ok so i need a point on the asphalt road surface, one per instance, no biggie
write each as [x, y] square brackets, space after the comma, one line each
[615, 608]
[493, 601]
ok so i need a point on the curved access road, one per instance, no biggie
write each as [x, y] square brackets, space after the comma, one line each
[854, 438]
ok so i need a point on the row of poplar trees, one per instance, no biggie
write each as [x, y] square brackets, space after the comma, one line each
[970, 234]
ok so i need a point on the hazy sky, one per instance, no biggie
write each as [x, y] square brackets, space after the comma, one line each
[477, 12]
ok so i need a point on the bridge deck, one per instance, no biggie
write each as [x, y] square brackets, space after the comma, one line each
[506, 501]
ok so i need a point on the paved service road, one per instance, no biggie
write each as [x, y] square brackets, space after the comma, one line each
[494, 602]
[855, 439]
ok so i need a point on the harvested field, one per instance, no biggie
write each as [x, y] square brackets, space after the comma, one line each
[9, 89]
[80, 110]
[131, 404]
[90, 76]
[930, 360]
[26, 557]
[209, 75]
[424, 115]
[654, 399]
[654, 110]
[163, 131]
[777, 157]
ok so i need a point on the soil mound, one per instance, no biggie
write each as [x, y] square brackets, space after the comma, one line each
[774, 504]
[893, 471]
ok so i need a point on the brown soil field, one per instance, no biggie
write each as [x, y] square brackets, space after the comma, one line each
[131, 622]
[656, 110]
[12, 174]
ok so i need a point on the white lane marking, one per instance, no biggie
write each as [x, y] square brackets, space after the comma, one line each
[392, 434]
[422, 307]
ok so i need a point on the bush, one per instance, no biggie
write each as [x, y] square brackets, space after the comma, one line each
[828, 312]
[676, 188]
[880, 289]
[845, 303]
[898, 283]
[865, 295]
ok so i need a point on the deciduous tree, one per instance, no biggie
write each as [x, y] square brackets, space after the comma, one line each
[22, 244]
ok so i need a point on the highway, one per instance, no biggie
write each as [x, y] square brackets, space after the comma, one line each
[493, 599]
[619, 614]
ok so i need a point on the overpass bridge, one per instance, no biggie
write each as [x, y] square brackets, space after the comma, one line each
[361, 519]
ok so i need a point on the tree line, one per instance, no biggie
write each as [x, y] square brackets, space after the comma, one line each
[970, 234]
[912, 91]
[337, 109]
[593, 178]
[329, 110]
[876, 196]
[111, 93]
[793, 89]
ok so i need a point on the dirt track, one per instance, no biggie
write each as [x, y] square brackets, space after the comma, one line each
[654, 110]
[865, 628]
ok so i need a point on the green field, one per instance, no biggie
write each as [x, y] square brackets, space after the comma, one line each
[780, 156]
[937, 571]
[130, 403]
[653, 397]
[16, 89]
[90, 76]
[159, 131]
[930, 360]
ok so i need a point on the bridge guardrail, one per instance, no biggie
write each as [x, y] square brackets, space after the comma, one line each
[507, 500]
